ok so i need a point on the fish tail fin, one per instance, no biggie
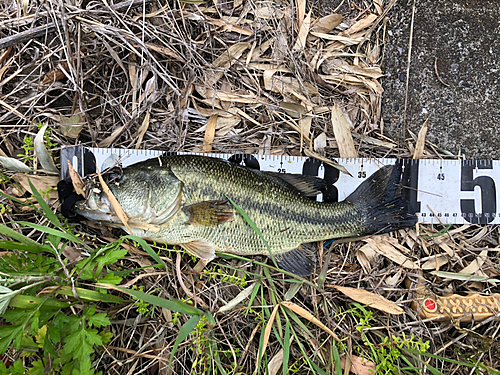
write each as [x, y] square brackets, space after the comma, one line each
[382, 202]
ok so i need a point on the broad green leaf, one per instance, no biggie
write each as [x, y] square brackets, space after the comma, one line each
[14, 164]
[98, 320]
[173, 305]
[80, 343]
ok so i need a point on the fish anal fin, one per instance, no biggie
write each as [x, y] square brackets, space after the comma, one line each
[307, 185]
[209, 213]
[200, 248]
[299, 261]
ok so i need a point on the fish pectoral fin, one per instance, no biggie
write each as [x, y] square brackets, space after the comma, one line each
[200, 248]
[307, 185]
[209, 213]
[299, 261]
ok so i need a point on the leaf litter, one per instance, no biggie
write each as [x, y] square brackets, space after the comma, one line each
[234, 77]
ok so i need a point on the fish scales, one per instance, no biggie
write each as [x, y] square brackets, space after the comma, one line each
[187, 197]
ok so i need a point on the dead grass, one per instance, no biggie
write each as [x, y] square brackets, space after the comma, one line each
[251, 77]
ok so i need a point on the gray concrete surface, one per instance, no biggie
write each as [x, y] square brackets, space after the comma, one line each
[464, 36]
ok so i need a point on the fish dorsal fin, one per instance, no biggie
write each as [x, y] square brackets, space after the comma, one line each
[200, 248]
[209, 213]
[299, 261]
[307, 185]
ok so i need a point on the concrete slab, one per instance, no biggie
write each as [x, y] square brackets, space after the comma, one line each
[461, 100]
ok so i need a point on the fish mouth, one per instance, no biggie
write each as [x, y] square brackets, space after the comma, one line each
[97, 207]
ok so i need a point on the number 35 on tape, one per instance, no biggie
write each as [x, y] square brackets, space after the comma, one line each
[440, 191]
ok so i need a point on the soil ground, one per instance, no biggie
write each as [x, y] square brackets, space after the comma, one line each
[454, 74]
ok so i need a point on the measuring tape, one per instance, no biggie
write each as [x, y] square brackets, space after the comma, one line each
[440, 191]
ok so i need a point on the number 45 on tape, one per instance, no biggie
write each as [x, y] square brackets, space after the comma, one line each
[440, 191]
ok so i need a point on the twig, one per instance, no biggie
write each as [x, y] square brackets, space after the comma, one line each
[437, 74]
[24, 36]
[408, 69]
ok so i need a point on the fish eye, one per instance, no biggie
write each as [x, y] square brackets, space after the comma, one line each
[114, 175]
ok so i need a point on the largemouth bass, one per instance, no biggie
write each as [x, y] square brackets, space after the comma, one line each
[191, 201]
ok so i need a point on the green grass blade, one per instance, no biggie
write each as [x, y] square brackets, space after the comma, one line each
[147, 248]
[173, 304]
[54, 232]
[286, 348]
[254, 227]
[23, 239]
[44, 206]
[185, 330]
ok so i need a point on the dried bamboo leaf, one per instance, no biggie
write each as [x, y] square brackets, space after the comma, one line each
[332, 163]
[300, 6]
[342, 132]
[361, 24]
[308, 316]
[245, 293]
[301, 41]
[109, 140]
[370, 299]
[326, 24]
[420, 145]
[41, 152]
[78, 184]
[210, 133]
[384, 246]
[143, 129]
[230, 27]
[114, 202]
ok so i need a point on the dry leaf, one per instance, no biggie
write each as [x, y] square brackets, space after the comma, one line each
[420, 145]
[360, 366]
[41, 183]
[300, 6]
[300, 43]
[310, 317]
[332, 163]
[72, 254]
[42, 154]
[476, 264]
[114, 202]
[78, 184]
[366, 257]
[55, 75]
[143, 129]
[231, 27]
[434, 262]
[245, 293]
[109, 140]
[342, 131]
[71, 126]
[210, 133]
[361, 24]
[370, 299]
[267, 333]
[326, 24]
[383, 245]
[276, 362]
